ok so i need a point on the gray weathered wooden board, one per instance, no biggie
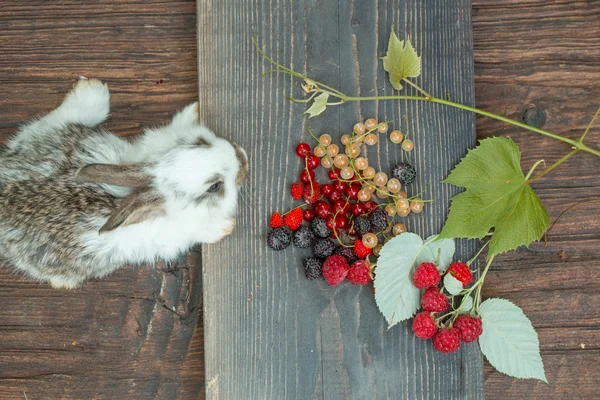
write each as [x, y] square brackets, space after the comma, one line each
[271, 333]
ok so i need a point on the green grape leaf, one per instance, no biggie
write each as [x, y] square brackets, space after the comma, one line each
[396, 296]
[509, 341]
[318, 106]
[452, 285]
[496, 196]
[401, 61]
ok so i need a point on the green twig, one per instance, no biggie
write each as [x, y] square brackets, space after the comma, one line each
[590, 125]
[550, 168]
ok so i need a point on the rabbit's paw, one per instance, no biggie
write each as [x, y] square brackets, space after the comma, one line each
[188, 116]
[88, 103]
[64, 283]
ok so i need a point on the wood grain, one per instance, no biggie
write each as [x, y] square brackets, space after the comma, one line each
[545, 56]
[271, 333]
[115, 338]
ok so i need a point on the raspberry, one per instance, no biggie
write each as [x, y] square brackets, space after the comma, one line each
[379, 220]
[426, 276]
[362, 225]
[347, 253]
[361, 250]
[405, 173]
[276, 220]
[335, 269]
[319, 227]
[303, 237]
[470, 328]
[447, 340]
[424, 326]
[311, 193]
[312, 267]
[461, 272]
[279, 239]
[323, 248]
[358, 274]
[293, 219]
[434, 301]
[297, 190]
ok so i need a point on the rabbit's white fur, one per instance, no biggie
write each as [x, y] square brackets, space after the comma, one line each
[181, 172]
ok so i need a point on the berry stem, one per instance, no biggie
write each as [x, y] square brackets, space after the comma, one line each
[550, 168]
[424, 93]
[589, 125]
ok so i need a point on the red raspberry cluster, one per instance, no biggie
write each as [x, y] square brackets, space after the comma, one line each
[428, 324]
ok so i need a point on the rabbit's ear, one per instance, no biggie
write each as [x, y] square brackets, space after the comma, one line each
[128, 175]
[141, 205]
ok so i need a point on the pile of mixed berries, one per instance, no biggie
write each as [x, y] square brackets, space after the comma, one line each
[347, 219]
[435, 321]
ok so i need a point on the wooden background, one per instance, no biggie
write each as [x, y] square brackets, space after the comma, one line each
[528, 54]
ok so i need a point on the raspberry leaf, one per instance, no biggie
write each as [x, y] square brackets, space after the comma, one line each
[401, 61]
[318, 106]
[466, 305]
[396, 296]
[452, 285]
[438, 251]
[509, 341]
[497, 196]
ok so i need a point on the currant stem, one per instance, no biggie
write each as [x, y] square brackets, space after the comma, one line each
[589, 125]
[424, 93]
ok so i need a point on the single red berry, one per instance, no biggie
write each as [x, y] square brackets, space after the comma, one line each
[311, 193]
[361, 250]
[312, 161]
[340, 186]
[352, 191]
[358, 274]
[322, 209]
[276, 220]
[426, 275]
[297, 190]
[334, 174]
[335, 269]
[307, 177]
[461, 272]
[352, 231]
[335, 196]
[434, 301]
[308, 215]
[327, 189]
[470, 327]
[447, 340]
[358, 209]
[303, 149]
[370, 206]
[424, 326]
[339, 206]
[293, 219]
[341, 222]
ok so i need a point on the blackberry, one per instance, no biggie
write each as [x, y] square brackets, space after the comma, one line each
[279, 239]
[379, 220]
[362, 225]
[313, 268]
[323, 248]
[319, 227]
[303, 237]
[347, 253]
[405, 173]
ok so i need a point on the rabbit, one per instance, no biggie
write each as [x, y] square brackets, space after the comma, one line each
[77, 202]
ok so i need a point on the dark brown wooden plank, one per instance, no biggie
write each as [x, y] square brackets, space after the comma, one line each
[270, 333]
[113, 338]
[546, 55]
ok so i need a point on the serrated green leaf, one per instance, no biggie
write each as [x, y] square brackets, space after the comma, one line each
[318, 106]
[396, 296]
[496, 197]
[465, 307]
[401, 61]
[509, 341]
[452, 285]
[438, 251]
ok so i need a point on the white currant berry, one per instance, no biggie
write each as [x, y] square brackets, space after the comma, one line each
[394, 185]
[396, 137]
[326, 162]
[380, 178]
[390, 209]
[340, 161]
[364, 195]
[370, 123]
[408, 145]
[345, 139]
[383, 128]
[361, 163]
[325, 139]
[371, 139]
[398, 229]
[359, 128]
[347, 173]
[319, 151]
[370, 240]
[369, 173]
[416, 206]
[352, 150]
[333, 150]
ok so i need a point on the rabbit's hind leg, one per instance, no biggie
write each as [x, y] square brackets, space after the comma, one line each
[64, 283]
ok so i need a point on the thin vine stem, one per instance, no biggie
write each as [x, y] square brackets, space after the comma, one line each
[550, 168]
[589, 125]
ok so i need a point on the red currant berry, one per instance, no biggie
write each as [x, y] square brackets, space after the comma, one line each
[341, 222]
[304, 176]
[340, 186]
[334, 174]
[312, 161]
[358, 209]
[352, 191]
[308, 215]
[335, 196]
[322, 209]
[327, 189]
[338, 206]
[303, 149]
[370, 206]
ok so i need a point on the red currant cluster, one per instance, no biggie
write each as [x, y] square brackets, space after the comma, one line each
[446, 328]
[342, 217]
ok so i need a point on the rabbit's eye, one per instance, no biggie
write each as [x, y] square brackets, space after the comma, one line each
[215, 187]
